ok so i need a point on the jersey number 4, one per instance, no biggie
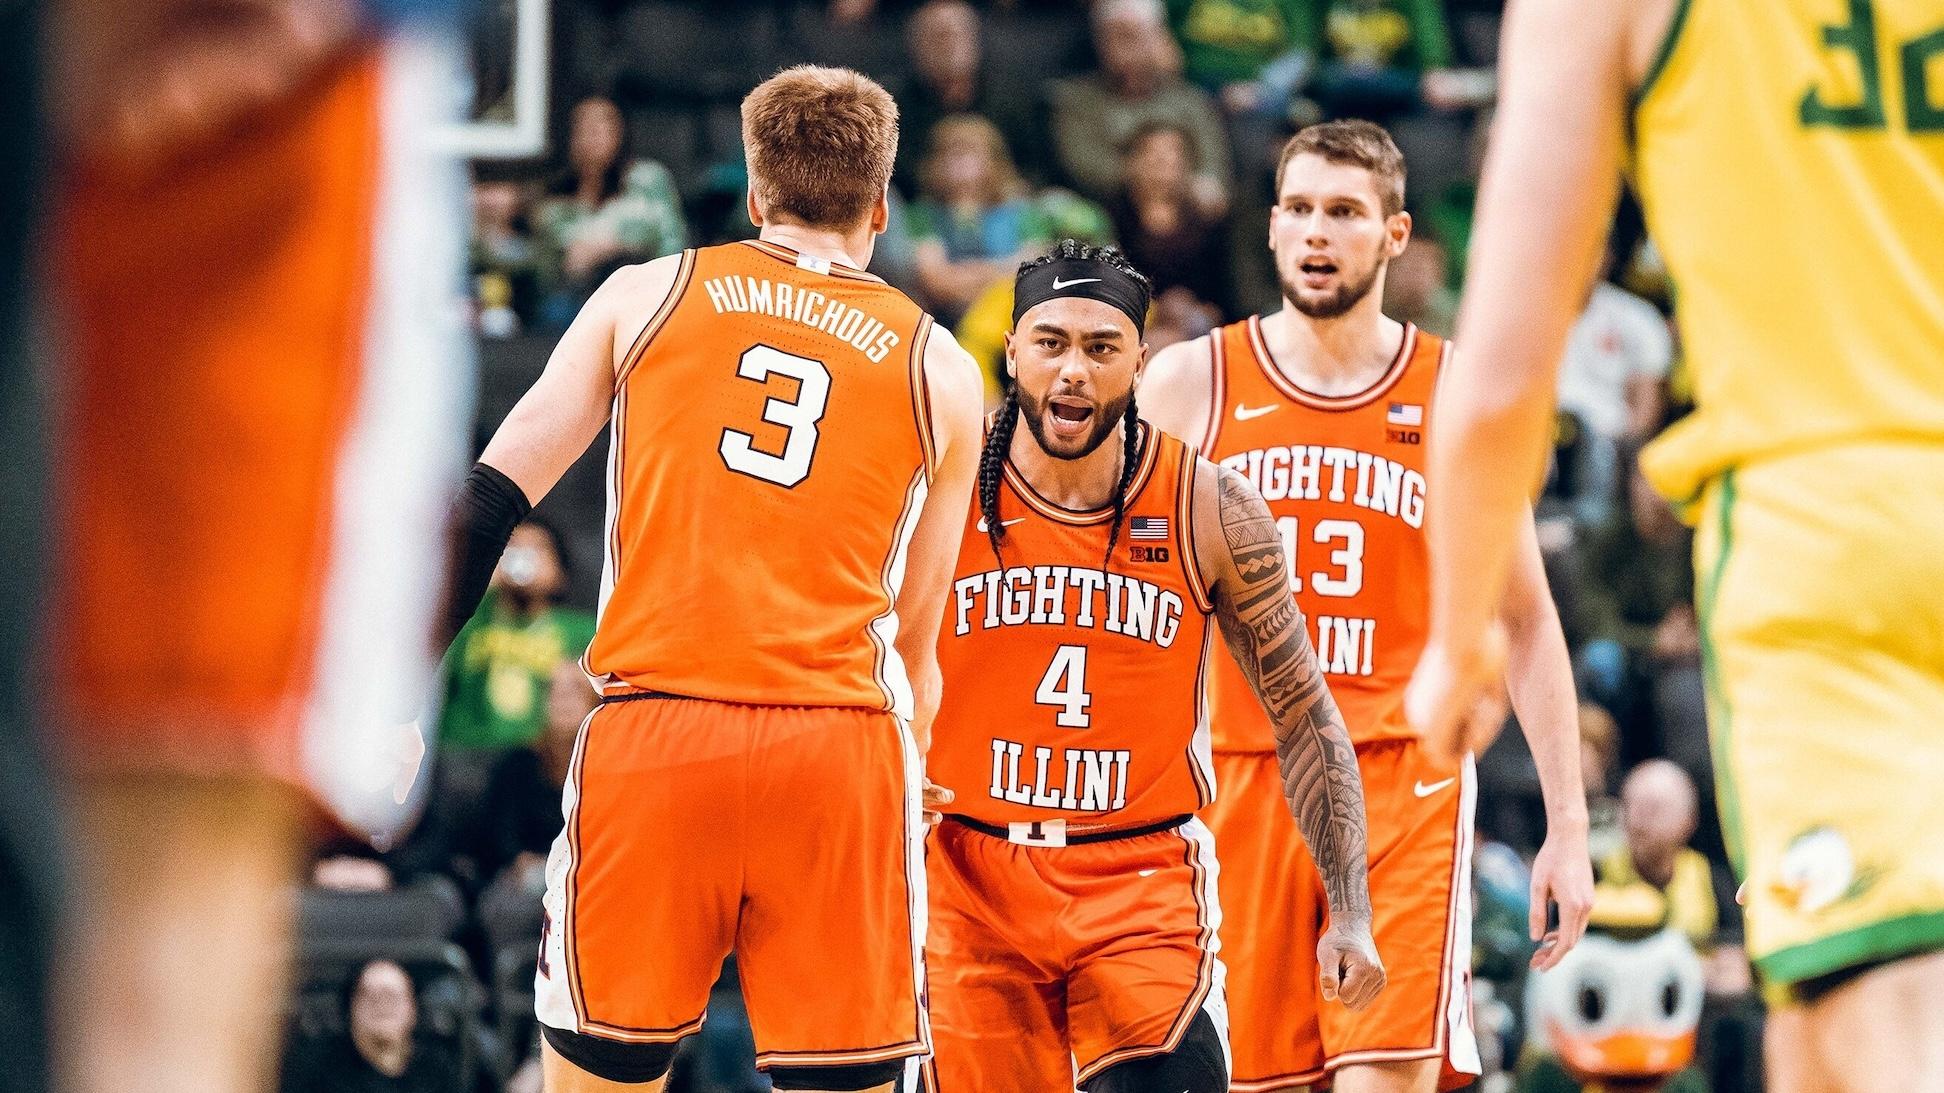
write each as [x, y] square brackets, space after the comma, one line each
[1064, 687]
[798, 416]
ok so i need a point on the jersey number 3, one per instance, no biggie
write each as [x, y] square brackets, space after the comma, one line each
[799, 416]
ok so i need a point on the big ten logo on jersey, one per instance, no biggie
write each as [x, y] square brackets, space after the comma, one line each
[1077, 780]
[1404, 423]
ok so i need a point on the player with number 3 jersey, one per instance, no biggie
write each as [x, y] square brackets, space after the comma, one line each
[1074, 917]
[1324, 406]
[793, 444]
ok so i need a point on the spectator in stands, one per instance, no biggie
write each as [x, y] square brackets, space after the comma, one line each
[516, 833]
[1230, 46]
[950, 77]
[975, 222]
[1635, 599]
[379, 1051]
[1415, 288]
[1659, 810]
[1139, 82]
[1385, 58]
[1617, 358]
[502, 260]
[496, 678]
[1161, 227]
[1253, 56]
[498, 671]
[606, 210]
[1599, 756]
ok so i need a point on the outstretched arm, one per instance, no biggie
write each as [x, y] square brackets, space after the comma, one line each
[1238, 548]
[1543, 206]
[551, 425]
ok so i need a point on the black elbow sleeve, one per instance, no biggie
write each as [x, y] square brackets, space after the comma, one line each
[488, 508]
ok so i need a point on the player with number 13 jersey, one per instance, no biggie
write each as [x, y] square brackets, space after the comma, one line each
[1325, 406]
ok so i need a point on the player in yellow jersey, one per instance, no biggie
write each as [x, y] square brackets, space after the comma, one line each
[1791, 161]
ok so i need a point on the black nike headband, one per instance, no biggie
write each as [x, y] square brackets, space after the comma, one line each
[1087, 278]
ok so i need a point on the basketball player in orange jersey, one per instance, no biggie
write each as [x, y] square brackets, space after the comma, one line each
[793, 446]
[262, 414]
[1074, 915]
[1324, 406]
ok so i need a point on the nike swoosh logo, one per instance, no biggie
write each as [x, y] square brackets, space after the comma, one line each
[1003, 523]
[1059, 284]
[1250, 413]
[1423, 790]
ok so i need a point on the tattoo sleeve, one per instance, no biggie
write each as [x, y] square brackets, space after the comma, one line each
[1266, 634]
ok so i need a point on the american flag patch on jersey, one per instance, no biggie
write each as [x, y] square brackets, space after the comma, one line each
[1147, 528]
[1405, 413]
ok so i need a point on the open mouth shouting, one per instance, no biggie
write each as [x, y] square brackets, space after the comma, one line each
[1069, 417]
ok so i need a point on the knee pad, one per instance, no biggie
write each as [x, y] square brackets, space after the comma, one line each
[839, 1078]
[611, 1060]
[1199, 1064]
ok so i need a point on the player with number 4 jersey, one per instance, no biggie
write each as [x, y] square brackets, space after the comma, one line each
[793, 443]
[1074, 916]
[1325, 406]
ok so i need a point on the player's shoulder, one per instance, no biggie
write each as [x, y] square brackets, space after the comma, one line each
[1178, 384]
[954, 387]
[644, 286]
[1173, 362]
[948, 364]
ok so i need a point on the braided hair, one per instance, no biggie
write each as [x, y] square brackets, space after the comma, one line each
[992, 458]
[992, 463]
[1130, 462]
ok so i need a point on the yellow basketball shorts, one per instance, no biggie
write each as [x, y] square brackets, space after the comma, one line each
[1821, 598]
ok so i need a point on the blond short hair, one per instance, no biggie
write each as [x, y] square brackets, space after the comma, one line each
[820, 143]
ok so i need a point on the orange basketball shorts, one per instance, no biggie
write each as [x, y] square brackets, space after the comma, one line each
[788, 835]
[1049, 964]
[1420, 821]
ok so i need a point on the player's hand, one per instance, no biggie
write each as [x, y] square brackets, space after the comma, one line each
[935, 799]
[1347, 963]
[1453, 697]
[1562, 874]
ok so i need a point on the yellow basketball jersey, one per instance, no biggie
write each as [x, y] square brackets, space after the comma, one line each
[1790, 155]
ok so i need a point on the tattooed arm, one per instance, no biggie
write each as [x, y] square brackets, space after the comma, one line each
[1238, 549]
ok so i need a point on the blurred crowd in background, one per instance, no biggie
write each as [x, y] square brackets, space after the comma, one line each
[1150, 124]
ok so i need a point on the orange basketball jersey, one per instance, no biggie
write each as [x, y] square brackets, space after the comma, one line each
[770, 453]
[1073, 686]
[1344, 478]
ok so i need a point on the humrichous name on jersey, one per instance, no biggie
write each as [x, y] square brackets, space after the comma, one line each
[809, 307]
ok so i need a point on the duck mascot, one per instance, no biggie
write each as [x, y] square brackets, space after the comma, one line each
[1618, 1014]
